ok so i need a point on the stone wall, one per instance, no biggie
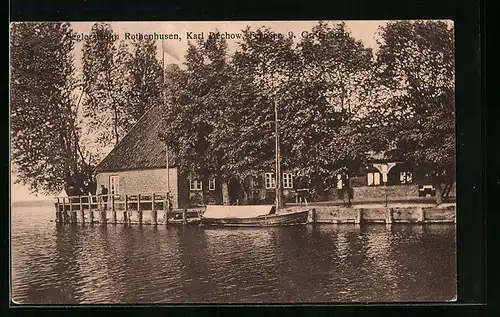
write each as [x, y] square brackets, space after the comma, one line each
[408, 214]
[143, 181]
[373, 214]
[413, 214]
[439, 214]
[327, 214]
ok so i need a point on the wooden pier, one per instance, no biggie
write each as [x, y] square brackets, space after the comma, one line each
[144, 208]
[154, 209]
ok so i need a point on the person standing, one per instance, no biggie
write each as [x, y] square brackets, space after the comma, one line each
[350, 191]
[104, 195]
[340, 188]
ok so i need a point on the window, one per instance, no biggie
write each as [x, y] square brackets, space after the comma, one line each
[405, 177]
[211, 184]
[195, 184]
[256, 182]
[114, 184]
[373, 178]
[287, 180]
[270, 180]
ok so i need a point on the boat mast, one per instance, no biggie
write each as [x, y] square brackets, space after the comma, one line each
[277, 150]
[165, 107]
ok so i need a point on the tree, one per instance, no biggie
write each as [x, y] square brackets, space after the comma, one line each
[416, 64]
[196, 95]
[267, 58]
[100, 84]
[121, 84]
[326, 104]
[222, 117]
[146, 79]
[123, 87]
[45, 137]
[172, 74]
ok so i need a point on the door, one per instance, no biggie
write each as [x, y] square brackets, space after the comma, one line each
[114, 185]
[235, 191]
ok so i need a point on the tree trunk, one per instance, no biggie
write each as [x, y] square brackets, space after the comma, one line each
[245, 194]
[218, 191]
[251, 194]
[204, 191]
[225, 192]
[439, 196]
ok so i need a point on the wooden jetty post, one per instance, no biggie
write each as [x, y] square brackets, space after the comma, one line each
[64, 211]
[420, 215]
[139, 210]
[99, 205]
[91, 212]
[113, 209]
[59, 217]
[184, 216]
[313, 215]
[388, 215]
[125, 211]
[359, 216]
[103, 211]
[153, 209]
[82, 212]
[166, 207]
[71, 210]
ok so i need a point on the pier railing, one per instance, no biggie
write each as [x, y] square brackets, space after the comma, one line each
[155, 207]
[143, 201]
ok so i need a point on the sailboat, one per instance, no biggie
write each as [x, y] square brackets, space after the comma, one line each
[257, 215]
[253, 216]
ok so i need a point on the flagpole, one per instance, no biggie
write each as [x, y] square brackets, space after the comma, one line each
[164, 107]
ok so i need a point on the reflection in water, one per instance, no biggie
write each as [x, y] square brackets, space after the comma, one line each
[322, 263]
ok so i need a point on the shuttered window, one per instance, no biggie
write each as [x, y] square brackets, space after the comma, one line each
[270, 180]
[287, 180]
[373, 179]
[211, 184]
[405, 177]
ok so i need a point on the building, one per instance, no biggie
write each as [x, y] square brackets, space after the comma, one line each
[138, 165]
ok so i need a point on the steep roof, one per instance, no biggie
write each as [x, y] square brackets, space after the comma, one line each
[140, 148]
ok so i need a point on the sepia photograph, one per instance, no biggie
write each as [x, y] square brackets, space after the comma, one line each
[232, 162]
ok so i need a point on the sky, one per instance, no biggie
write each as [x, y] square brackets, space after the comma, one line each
[22, 193]
[365, 31]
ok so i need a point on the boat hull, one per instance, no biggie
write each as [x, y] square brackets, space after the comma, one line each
[280, 219]
[189, 222]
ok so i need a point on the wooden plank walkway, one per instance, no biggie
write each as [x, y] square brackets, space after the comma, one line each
[144, 208]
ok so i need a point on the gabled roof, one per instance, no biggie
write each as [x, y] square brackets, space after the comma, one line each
[140, 148]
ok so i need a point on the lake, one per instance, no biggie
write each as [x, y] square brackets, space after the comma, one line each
[94, 264]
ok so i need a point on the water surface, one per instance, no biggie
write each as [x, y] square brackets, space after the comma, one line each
[54, 264]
